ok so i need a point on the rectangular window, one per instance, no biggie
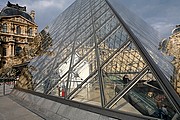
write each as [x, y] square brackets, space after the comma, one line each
[4, 39]
[4, 51]
[4, 27]
[18, 30]
[12, 50]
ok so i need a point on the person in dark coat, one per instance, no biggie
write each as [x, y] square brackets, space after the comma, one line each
[125, 79]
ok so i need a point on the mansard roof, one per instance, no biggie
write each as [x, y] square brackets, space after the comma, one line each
[14, 10]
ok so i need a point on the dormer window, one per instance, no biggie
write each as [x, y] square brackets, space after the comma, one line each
[18, 30]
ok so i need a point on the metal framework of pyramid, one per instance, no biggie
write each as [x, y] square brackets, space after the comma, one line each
[91, 46]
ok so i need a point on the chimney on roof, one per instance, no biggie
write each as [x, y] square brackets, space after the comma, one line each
[177, 26]
[32, 14]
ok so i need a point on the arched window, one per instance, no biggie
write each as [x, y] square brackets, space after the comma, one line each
[18, 30]
[30, 32]
[4, 28]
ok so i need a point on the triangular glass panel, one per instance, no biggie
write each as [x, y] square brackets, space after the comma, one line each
[146, 98]
[83, 49]
[58, 89]
[107, 28]
[89, 93]
[121, 69]
[84, 68]
[112, 44]
[83, 46]
[42, 86]
[38, 73]
[103, 16]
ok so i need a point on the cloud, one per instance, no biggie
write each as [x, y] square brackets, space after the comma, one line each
[164, 28]
[163, 15]
[49, 10]
[45, 10]
[46, 4]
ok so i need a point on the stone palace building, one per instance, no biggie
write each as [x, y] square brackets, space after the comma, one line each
[17, 31]
[173, 49]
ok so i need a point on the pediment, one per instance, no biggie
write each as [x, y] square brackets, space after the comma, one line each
[19, 18]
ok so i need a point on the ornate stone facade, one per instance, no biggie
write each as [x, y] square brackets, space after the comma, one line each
[173, 49]
[17, 32]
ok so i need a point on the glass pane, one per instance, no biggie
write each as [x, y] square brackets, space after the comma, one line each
[107, 28]
[147, 98]
[59, 88]
[89, 93]
[146, 35]
[83, 50]
[101, 19]
[39, 73]
[82, 70]
[112, 43]
[121, 70]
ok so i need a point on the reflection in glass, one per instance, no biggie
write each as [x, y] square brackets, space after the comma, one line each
[146, 98]
[87, 51]
[89, 93]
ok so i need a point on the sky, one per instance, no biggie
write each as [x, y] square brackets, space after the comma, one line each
[162, 15]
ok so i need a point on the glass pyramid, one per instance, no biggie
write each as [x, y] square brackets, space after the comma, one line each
[103, 54]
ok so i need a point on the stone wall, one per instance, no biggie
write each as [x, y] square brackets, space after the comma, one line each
[64, 110]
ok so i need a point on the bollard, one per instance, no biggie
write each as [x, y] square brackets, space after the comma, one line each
[4, 87]
[63, 93]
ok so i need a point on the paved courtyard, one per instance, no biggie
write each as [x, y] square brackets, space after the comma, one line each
[10, 110]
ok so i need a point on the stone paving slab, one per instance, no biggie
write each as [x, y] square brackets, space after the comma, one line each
[10, 110]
